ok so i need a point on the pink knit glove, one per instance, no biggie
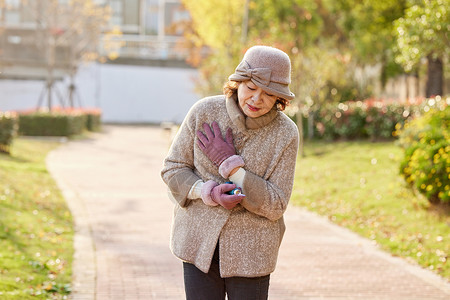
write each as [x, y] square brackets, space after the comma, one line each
[217, 193]
[214, 146]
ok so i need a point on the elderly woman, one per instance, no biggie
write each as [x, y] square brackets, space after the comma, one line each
[229, 242]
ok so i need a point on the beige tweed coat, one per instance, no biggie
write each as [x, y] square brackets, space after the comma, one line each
[249, 235]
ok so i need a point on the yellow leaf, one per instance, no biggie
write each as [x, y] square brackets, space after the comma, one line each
[113, 55]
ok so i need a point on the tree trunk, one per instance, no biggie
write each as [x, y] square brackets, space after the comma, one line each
[50, 69]
[299, 116]
[245, 23]
[435, 77]
[310, 126]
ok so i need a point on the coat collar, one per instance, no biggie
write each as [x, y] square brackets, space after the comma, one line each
[243, 122]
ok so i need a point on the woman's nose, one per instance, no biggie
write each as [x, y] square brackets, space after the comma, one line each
[256, 96]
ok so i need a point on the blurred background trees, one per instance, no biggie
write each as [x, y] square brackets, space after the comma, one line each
[423, 33]
[216, 26]
[340, 49]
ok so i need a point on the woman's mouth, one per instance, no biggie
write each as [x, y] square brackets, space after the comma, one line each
[252, 108]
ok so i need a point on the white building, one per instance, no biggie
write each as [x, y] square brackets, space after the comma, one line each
[149, 82]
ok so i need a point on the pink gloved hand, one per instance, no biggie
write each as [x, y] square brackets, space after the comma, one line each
[213, 145]
[217, 193]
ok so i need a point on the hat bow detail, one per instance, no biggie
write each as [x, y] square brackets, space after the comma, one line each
[260, 75]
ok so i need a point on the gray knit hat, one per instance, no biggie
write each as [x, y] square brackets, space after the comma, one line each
[267, 67]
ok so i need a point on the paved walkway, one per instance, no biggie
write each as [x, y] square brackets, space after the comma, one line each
[122, 215]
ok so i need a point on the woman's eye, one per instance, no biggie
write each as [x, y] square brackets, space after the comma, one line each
[250, 88]
[269, 95]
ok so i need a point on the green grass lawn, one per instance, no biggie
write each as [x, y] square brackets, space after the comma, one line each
[36, 232]
[357, 185]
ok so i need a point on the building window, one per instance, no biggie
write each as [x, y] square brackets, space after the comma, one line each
[125, 15]
[174, 16]
[131, 13]
[151, 17]
[12, 14]
[117, 12]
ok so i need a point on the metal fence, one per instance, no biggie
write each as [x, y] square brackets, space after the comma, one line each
[146, 47]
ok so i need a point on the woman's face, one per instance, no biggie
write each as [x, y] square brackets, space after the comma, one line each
[254, 102]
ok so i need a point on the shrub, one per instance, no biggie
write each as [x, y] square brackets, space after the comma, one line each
[326, 118]
[93, 122]
[356, 120]
[381, 120]
[52, 123]
[350, 120]
[372, 119]
[8, 130]
[426, 164]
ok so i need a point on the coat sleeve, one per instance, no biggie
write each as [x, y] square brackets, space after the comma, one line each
[269, 198]
[178, 170]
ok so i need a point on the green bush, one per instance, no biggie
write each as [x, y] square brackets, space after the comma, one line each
[381, 121]
[52, 123]
[426, 164]
[350, 121]
[325, 120]
[373, 119]
[93, 122]
[356, 120]
[8, 130]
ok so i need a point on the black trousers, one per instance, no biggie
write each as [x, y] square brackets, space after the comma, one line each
[210, 286]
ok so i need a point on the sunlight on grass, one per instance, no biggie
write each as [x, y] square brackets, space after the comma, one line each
[357, 185]
[35, 226]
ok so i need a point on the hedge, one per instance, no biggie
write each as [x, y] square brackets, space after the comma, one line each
[61, 122]
[93, 122]
[51, 124]
[8, 130]
[375, 120]
[426, 163]
[357, 120]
